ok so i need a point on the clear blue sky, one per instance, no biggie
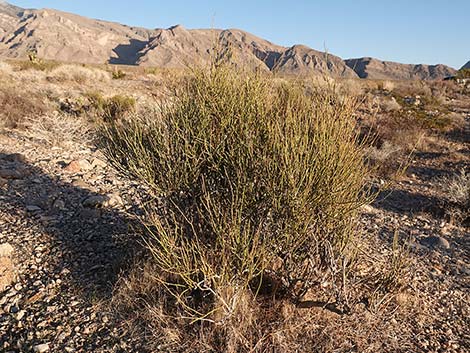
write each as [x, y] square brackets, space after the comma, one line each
[408, 31]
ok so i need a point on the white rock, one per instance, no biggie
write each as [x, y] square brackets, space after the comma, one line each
[40, 348]
[20, 315]
[98, 163]
[6, 250]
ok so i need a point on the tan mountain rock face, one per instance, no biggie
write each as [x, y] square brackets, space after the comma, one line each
[57, 35]
[300, 58]
[66, 37]
[383, 70]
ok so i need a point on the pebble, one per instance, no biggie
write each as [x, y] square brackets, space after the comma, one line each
[41, 348]
[96, 201]
[33, 208]
[78, 166]
[20, 315]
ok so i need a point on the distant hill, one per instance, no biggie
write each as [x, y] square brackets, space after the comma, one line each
[466, 66]
[377, 69]
[62, 36]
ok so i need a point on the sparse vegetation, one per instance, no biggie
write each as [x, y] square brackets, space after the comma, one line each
[458, 188]
[78, 74]
[463, 74]
[39, 65]
[17, 105]
[110, 108]
[118, 74]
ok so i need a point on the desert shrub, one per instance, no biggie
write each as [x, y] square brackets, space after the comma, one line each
[117, 106]
[389, 105]
[385, 159]
[110, 108]
[16, 105]
[463, 73]
[399, 129]
[57, 129]
[118, 74]
[385, 86]
[78, 74]
[39, 65]
[458, 188]
[259, 186]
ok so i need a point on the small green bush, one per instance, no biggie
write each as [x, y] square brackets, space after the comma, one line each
[110, 108]
[39, 65]
[119, 74]
[260, 183]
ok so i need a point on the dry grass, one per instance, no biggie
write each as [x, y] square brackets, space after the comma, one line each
[17, 104]
[459, 188]
[377, 295]
[389, 105]
[5, 68]
[77, 74]
[59, 130]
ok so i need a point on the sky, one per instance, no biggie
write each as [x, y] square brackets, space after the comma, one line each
[407, 31]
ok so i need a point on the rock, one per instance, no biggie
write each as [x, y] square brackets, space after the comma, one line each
[77, 166]
[11, 174]
[6, 272]
[33, 208]
[96, 201]
[115, 200]
[3, 182]
[20, 315]
[59, 204]
[6, 250]
[79, 183]
[14, 157]
[90, 214]
[98, 163]
[436, 242]
[41, 348]
[368, 209]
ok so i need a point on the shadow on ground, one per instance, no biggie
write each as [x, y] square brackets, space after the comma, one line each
[92, 245]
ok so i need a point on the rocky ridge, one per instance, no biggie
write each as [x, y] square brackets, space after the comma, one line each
[62, 36]
[382, 70]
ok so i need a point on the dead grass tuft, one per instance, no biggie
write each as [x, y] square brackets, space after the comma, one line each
[78, 74]
[17, 105]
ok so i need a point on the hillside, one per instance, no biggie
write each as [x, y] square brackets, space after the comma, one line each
[377, 69]
[466, 66]
[61, 36]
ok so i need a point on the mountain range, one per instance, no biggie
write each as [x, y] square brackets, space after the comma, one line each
[62, 36]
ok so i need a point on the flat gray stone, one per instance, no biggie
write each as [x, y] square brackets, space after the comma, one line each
[436, 242]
